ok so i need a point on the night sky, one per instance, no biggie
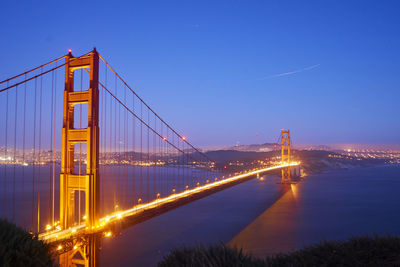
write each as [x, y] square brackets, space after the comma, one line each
[222, 72]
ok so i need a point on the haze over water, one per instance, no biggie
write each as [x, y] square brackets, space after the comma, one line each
[264, 217]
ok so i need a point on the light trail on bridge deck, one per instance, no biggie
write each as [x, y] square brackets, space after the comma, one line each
[82, 229]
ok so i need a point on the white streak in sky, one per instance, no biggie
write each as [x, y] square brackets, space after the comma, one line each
[290, 72]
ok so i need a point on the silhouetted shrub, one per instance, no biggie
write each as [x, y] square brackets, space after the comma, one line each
[360, 251]
[20, 248]
[356, 251]
[216, 255]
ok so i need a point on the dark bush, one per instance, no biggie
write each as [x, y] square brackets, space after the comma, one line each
[216, 255]
[357, 251]
[20, 248]
[360, 251]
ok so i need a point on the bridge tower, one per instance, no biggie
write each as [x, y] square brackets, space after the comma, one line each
[85, 249]
[285, 155]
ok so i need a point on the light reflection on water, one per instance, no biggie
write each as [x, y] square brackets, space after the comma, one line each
[329, 206]
[276, 225]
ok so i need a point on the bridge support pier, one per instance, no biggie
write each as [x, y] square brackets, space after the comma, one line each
[286, 175]
[296, 172]
[85, 250]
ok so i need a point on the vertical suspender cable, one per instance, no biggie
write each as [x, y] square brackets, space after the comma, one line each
[125, 144]
[180, 163]
[148, 154]
[23, 161]
[108, 157]
[154, 173]
[51, 146]
[118, 141]
[115, 149]
[158, 166]
[141, 151]
[5, 157]
[133, 151]
[15, 152]
[183, 164]
[101, 110]
[40, 143]
[168, 157]
[111, 169]
[105, 167]
[160, 142]
[54, 144]
[185, 154]
[108, 149]
[123, 153]
[34, 157]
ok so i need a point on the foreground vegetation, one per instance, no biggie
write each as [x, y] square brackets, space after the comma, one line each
[361, 251]
[19, 248]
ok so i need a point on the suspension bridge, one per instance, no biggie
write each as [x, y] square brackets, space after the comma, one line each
[82, 163]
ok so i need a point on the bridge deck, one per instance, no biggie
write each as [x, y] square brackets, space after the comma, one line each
[142, 212]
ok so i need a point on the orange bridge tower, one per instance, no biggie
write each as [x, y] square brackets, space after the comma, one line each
[71, 183]
[285, 155]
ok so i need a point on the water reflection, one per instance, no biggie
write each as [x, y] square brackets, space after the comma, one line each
[277, 226]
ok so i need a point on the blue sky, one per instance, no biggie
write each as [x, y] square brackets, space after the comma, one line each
[223, 72]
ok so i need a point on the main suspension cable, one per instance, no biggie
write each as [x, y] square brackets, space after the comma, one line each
[143, 122]
[41, 74]
[184, 140]
[26, 72]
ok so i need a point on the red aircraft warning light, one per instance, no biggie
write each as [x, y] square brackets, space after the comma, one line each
[183, 138]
